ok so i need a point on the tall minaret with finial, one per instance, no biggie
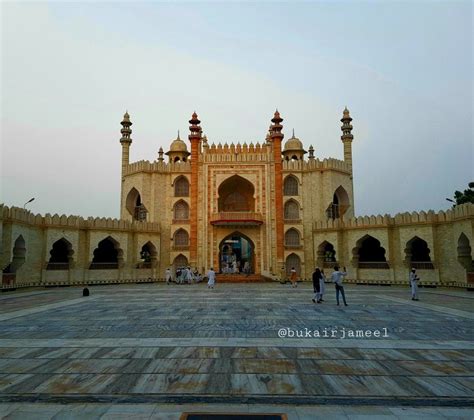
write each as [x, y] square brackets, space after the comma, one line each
[347, 136]
[195, 138]
[276, 137]
[125, 141]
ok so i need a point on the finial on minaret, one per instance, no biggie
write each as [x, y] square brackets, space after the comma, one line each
[126, 130]
[311, 152]
[276, 127]
[293, 136]
[178, 136]
[194, 127]
[160, 155]
[346, 127]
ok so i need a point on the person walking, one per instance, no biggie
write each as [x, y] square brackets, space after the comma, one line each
[293, 277]
[188, 275]
[168, 276]
[414, 284]
[316, 285]
[211, 275]
[336, 278]
[322, 286]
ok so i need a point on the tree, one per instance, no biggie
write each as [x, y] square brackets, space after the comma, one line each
[465, 197]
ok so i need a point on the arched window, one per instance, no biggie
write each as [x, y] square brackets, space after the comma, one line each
[181, 238]
[369, 253]
[181, 187]
[61, 255]
[107, 255]
[290, 186]
[293, 261]
[292, 238]
[292, 210]
[181, 210]
[417, 254]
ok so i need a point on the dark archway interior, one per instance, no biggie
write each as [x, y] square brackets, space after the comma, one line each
[105, 252]
[420, 251]
[371, 251]
[236, 195]
[236, 255]
[60, 252]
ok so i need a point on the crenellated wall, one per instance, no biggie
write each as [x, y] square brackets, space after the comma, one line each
[441, 231]
[38, 234]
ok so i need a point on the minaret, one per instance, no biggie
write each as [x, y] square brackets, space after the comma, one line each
[125, 141]
[195, 139]
[347, 137]
[276, 137]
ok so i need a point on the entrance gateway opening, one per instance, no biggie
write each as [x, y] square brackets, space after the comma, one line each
[236, 255]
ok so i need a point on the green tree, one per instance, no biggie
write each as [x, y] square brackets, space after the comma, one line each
[465, 197]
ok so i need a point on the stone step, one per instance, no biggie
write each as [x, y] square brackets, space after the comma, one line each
[239, 278]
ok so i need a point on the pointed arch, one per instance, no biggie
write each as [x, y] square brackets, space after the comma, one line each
[293, 261]
[290, 185]
[417, 254]
[292, 210]
[464, 252]
[107, 255]
[292, 238]
[181, 186]
[148, 256]
[18, 255]
[134, 205]
[237, 248]
[180, 261]
[326, 255]
[61, 255]
[368, 253]
[236, 194]
[181, 238]
[339, 205]
[181, 210]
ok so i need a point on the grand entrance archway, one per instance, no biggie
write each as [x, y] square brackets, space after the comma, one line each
[237, 254]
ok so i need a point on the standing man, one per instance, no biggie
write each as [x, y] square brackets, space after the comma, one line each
[322, 286]
[316, 285]
[293, 277]
[414, 284]
[168, 276]
[336, 278]
[211, 275]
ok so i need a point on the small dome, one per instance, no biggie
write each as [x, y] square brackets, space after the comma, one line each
[178, 145]
[293, 143]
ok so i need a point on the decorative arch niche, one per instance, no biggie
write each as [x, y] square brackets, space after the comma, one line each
[61, 255]
[293, 261]
[148, 256]
[181, 211]
[108, 255]
[326, 255]
[134, 205]
[339, 205]
[464, 252]
[417, 254]
[236, 194]
[18, 256]
[292, 238]
[292, 210]
[181, 187]
[290, 186]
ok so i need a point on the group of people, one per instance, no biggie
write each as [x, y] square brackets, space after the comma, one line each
[183, 275]
[319, 280]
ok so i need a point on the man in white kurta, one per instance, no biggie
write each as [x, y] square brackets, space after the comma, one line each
[414, 284]
[168, 276]
[211, 275]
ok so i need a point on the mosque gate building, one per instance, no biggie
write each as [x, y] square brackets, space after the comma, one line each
[263, 208]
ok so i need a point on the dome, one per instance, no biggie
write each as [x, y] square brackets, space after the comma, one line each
[178, 145]
[293, 143]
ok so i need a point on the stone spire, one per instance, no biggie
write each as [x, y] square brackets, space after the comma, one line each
[160, 155]
[347, 136]
[311, 152]
[126, 130]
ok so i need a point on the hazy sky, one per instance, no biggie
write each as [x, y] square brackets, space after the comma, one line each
[70, 70]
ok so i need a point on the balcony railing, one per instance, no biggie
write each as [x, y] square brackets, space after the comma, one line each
[375, 265]
[103, 266]
[248, 218]
[428, 265]
[57, 266]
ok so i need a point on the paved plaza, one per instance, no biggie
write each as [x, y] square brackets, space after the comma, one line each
[156, 351]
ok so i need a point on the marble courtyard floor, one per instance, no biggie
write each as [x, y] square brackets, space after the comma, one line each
[156, 351]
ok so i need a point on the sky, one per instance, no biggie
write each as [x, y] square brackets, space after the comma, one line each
[69, 71]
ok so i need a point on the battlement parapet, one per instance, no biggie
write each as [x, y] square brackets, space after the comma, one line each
[463, 211]
[157, 166]
[316, 165]
[19, 215]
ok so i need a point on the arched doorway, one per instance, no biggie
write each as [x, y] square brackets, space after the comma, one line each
[236, 194]
[236, 254]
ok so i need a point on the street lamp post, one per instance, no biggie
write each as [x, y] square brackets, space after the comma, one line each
[29, 201]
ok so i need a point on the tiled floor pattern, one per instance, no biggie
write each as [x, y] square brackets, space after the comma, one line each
[155, 343]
